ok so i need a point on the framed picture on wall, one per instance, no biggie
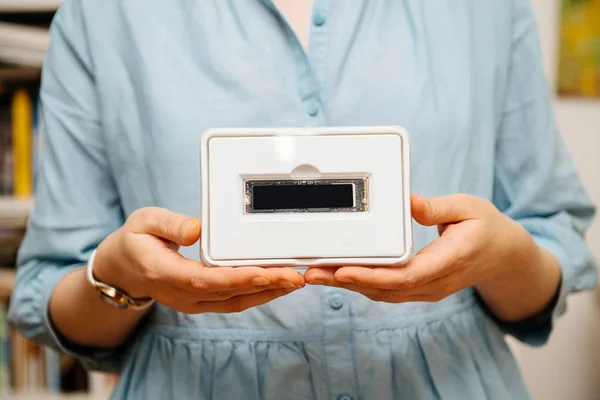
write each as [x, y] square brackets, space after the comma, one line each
[579, 55]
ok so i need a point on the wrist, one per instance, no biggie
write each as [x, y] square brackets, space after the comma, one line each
[106, 269]
[537, 274]
[518, 258]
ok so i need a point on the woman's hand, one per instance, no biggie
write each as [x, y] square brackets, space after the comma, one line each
[142, 259]
[478, 246]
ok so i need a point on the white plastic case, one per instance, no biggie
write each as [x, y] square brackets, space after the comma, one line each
[306, 196]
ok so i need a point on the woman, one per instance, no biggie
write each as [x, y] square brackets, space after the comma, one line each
[128, 88]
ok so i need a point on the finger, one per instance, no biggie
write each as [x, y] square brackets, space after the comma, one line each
[195, 277]
[429, 294]
[177, 228]
[240, 303]
[413, 298]
[446, 209]
[435, 290]
[176, 295]
[228, 294]
[435, 261]
[320, 275]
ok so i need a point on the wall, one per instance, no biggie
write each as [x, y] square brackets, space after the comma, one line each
[569, 366]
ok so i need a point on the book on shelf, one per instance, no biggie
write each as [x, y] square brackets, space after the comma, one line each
[23, 44]
[4, 352]
[6, 152]
[20, 131]
[24, 6]
[22, 139]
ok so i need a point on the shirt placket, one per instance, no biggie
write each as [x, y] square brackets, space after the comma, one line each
[337, 334]
[310, 68]
[319, 42]
[337, 345]
[337, 340]
[311, 74]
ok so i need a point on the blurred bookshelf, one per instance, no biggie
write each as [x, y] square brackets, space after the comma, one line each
[23, 44]
[17, 6]
[28, 370]
[14, 212]
[47, 396]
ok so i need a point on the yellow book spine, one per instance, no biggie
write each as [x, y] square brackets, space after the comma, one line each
[22, 121]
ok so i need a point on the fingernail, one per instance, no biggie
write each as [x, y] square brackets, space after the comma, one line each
[185, 229]
[316, 282]
[344, 279]
[260, 281]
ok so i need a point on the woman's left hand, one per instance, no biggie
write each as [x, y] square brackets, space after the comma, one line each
[477, 245]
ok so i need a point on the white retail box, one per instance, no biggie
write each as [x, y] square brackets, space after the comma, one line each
[326, 196]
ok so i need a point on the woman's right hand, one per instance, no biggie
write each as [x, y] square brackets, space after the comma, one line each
[142, 259]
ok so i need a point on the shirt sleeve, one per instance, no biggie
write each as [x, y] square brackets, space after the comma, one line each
[536, 182]
[77, 204]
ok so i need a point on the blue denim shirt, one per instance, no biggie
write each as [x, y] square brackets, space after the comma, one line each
[129, 87]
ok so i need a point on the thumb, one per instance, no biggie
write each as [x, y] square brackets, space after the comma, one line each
[445, 209]
[180, 229]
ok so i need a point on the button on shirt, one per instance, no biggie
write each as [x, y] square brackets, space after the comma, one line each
[336, 302]
[128, 89]
[319, 19]
[313, 109]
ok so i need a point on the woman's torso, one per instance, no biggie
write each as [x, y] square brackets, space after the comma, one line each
[167, 71]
